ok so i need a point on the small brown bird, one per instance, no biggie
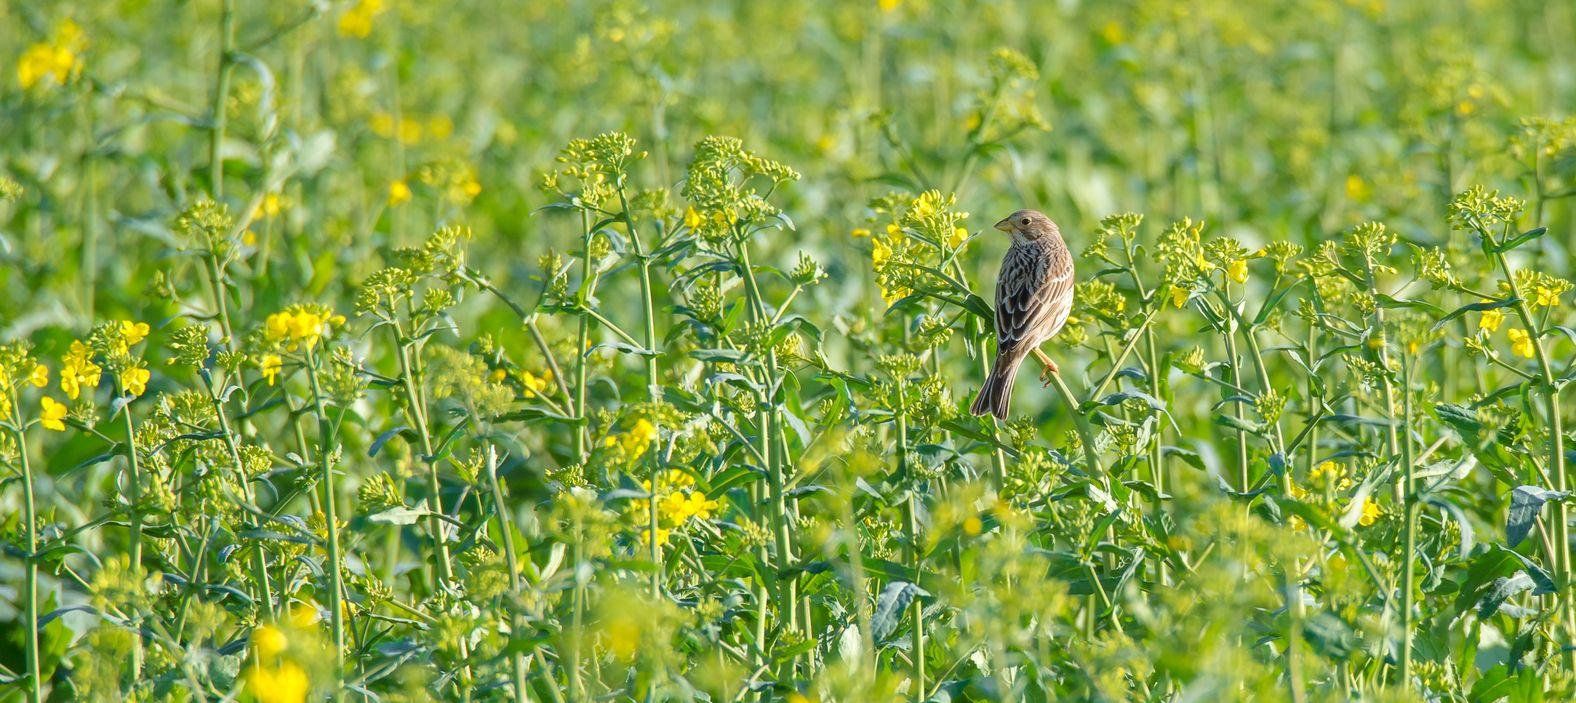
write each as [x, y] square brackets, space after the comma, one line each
[1034, 293]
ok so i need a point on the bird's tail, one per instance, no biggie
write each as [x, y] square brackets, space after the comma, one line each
[996, 395]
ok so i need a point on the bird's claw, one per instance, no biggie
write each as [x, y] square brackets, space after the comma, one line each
[1045, 375]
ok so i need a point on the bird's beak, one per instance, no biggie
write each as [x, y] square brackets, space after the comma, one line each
[1005, 225]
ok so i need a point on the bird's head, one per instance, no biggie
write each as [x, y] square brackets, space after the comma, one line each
[1028, 226]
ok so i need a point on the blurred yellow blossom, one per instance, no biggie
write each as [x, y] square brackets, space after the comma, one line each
[58, 60]
[1370, 513]
[399, 193]
[135, 380]
[53, 415]
[39, 377]
[959, 236]
[1521, 343]
[357, 21]
[268, 642]
[1237, 270]
[283, 683]
[1490, 319]
[1179, 295]
[271, 364]
[133, 333]
[536, 385]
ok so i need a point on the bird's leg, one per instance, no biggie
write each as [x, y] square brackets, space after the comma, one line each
[1050, 368]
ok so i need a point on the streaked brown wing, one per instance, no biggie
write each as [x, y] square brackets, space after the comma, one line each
[1033, 298]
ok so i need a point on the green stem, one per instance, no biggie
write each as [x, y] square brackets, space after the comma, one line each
[418, 415]
[30, 596]
[325, 455]
[135, 517]
[518, 666]
[221, 94]
[1409, 557]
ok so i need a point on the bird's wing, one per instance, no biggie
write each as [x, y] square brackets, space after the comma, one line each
[1033, 297]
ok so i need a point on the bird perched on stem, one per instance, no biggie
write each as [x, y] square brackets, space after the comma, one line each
[1034, 293]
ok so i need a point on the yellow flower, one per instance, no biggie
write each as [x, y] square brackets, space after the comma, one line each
[40, 376]
[860, 233]
[300, 325]
[692, 219]
[58, 59]
[1521, 343]
[54, 412]
[888, 5]
[1179, 295]
[269, 642]
[536, 385]
[880, 253]
[1370, 513]
[1238, 271]
[1546, 296]
[285, 683]
[959, 235]
[662, 536]
[357, 21]
[303, 616]
[1490, 319]
[133, 332]
[399, 193]
[270, 206]
[271, 364]
[1357, 188]
[135, 380]
[78, 371]
[639, 438]
[972, 526]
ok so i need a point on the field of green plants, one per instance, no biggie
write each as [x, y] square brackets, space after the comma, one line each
[608, 350]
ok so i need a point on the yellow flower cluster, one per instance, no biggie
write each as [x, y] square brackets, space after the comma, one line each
[1237, 270]
[537, 385]
[1521, 343]
[77, 370]
[301, 326]
[357, 21]
[678, 503]
[636, 441]
[399, 193]
[1489, 320]
[271, 678]
[57, 60]
[410, 130]
[52, 414]
[271, 365]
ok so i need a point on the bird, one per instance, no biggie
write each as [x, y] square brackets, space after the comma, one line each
[1034, 294]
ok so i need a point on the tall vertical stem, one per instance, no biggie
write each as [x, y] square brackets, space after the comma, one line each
[325, 457]
[30, 596]
[517, 664]
[221, 94]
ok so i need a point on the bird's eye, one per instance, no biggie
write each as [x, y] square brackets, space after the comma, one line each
[1024, 220]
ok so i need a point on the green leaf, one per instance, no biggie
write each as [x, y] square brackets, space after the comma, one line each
[1519, 240]
[890, 606]
[1526, 502]
[1473, 307]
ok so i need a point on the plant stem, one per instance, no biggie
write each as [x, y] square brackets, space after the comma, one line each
[30, 595]
[518, 666]
[221, 94]
[325, 457]
[410, 376]
[135, 517]
[1409, 557]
